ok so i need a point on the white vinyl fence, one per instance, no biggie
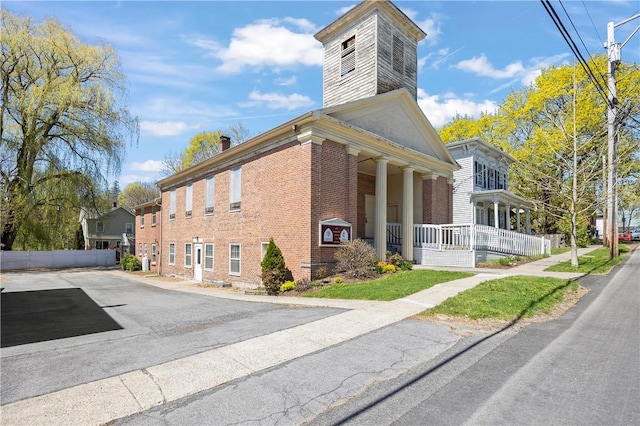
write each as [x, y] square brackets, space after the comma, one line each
[16, 260]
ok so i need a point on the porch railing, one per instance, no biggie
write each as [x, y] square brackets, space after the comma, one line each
[471, 237]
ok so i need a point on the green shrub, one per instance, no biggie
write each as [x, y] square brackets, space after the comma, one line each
[130, 263]
[287, 286]
[304, 285]
[356, 258]
[508, 261]
[274, 269]
[398, 261]
[322, 273]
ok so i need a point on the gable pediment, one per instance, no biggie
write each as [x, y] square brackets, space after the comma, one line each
[397, 117]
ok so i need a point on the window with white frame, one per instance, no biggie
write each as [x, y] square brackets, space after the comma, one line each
[187, 255]
[129, 228]
[100, 226]
[153, 253]
[140, 249]
[188, 203]
[480, 171]
[145, 249]
[172, 254]
[492, 178]
[172, 204]
[142, 219]
[234, 259]
[208, 257]
[235, 187]
[153, 216]
[209, 195]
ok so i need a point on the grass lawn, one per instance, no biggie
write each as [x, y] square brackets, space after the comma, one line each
[389, 287]
[508, 298]
[595, 262]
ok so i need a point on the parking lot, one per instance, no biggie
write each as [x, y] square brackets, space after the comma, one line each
[63, 328]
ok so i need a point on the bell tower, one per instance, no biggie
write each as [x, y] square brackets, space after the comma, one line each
[371, 49]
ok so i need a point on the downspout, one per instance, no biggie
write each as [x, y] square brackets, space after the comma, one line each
[160, 249]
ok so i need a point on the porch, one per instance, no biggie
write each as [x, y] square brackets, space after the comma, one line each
[465, 245]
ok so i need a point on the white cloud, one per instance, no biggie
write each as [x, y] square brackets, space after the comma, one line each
[480, 65]
[442, 109]
[286, 81]
[345, 9]
[303, 24]
[125, 180]
[268, 42]
[163, 128]
[277, 100]
[431, 25]
[146, 166]
[437, 59]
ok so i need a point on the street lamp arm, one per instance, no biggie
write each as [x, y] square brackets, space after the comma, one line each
[626, 20]
[632, 34]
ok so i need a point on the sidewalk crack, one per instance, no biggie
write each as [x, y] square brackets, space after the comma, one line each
[131, 393]
[153, 379]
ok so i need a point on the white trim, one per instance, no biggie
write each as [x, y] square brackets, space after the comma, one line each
[239, 259]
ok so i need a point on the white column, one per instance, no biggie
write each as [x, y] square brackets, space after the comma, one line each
[407, 214]
[518, 219]
[507, 213]
[473, 213]
[527, 219]
[496, 214]
[380, 234]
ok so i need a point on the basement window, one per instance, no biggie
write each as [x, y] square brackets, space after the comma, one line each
[348, 56]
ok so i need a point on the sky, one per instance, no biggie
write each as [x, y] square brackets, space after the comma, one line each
[195, 66]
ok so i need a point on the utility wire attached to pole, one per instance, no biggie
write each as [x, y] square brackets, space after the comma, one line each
[613, 56]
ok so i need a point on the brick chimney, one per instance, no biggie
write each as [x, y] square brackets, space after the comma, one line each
[225, 143]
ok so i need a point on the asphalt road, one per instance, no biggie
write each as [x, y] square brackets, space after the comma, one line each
[581, 369]
[116, 325]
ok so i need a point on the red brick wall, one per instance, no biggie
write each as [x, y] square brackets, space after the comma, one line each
[275, 203]
[336, 177]
[148, 234]
[437, 207]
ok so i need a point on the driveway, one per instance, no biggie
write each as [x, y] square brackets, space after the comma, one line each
[64, 328]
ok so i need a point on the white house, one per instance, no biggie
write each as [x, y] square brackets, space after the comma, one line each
[481, 190]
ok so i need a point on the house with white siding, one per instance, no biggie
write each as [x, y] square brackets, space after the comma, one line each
[481, 193]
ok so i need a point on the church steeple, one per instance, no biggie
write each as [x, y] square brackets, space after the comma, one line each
[371, 49]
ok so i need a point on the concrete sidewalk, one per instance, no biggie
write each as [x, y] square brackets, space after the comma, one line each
[115, 397]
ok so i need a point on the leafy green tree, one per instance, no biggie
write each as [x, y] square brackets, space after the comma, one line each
[137, 193]
[535, 125]
[63, 123]
[203, 146]
[274, 270]
[115, 190]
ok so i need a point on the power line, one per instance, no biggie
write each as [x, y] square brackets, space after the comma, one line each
[592, 23]
[580, 37]
[572, 46]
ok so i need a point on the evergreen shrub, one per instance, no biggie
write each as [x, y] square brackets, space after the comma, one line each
[274, 269]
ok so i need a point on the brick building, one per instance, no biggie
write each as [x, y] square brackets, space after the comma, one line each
[368, 157]
[148, 236]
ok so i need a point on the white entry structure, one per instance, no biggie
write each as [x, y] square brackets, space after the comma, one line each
[465, 245]
[488, 220]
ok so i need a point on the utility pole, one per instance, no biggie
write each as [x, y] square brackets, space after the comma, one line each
[613, 55]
